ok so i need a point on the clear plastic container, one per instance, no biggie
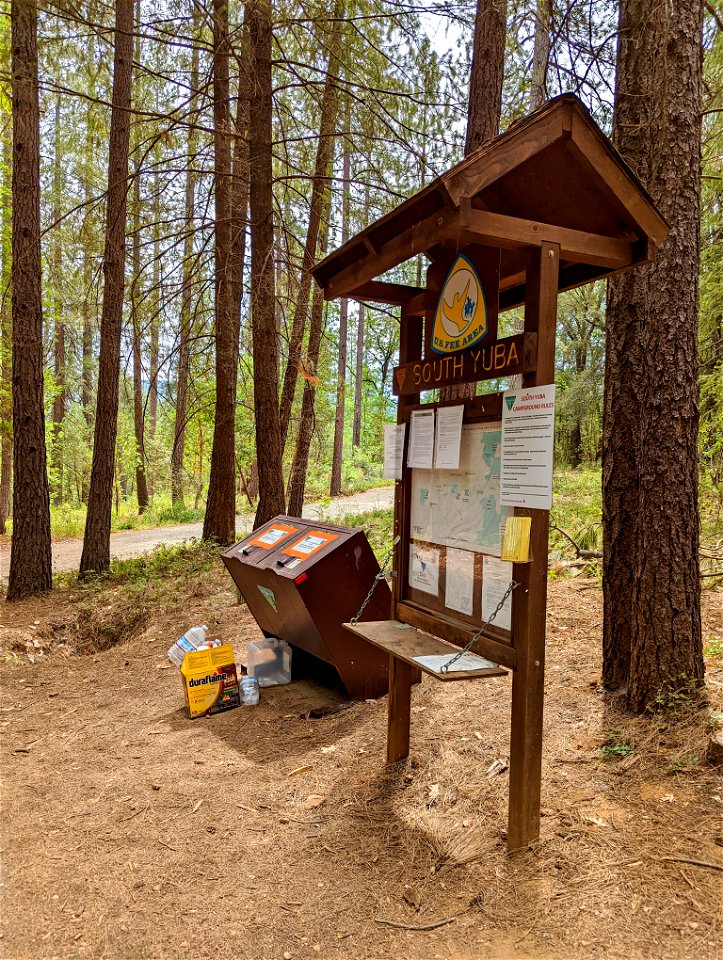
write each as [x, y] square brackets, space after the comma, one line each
[269, 661]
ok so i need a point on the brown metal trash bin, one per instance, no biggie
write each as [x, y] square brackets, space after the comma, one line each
[301, 580]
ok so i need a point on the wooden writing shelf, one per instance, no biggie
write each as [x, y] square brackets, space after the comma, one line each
[406, 642]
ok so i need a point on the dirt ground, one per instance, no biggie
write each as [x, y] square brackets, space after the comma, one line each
[130, 831]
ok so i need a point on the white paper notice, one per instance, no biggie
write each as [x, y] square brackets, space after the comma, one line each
[496, 577]
[424, 569]
[449, 436]
[441, 664]
[421, 439]
[459, 585]
[393, 450]
[528, 439]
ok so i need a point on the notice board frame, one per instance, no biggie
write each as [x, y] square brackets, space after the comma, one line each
[494, 645]
[559, 204]
[525, 655]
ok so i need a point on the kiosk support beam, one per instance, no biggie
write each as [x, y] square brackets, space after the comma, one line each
[531, 596]
[402, 675]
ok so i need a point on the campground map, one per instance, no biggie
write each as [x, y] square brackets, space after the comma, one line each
[461, 508]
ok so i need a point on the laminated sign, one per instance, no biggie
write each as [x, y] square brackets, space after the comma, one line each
[460, 320]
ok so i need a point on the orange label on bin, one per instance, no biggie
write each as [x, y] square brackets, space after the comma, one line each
[274, 535]
[310, 543]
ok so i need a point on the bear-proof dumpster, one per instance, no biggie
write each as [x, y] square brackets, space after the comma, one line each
[302, 580]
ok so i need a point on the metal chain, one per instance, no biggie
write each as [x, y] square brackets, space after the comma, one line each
[380, 576]
[445, 667]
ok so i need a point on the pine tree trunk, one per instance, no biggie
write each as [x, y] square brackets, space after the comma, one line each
[96, 544]
[576, 444]
[541, 53]
[338, 450]
[6, 331]
[138, 398]
[485, 105]
[155, 325]
[327, 122]
[358, 376]
[86, 376]
[359, 360]
[263, 296]
[86, 382]
[58, 306]
[651, 588]
[488, 66]
[184, 346]
[136, 322]
[254, 480]
[30, 552]
[300, 465]
[220, 518]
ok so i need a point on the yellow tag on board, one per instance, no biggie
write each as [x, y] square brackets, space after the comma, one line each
[516, 540]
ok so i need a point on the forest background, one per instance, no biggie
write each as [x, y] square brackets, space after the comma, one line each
[369, 104]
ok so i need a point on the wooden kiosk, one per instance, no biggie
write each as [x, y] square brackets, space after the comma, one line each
[547, 206]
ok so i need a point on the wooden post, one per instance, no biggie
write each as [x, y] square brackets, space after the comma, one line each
[530, 601]
[401, 675]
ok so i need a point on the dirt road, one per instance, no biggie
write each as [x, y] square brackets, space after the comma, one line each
[134, 543]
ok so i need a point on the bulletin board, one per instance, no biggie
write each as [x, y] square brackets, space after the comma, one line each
[456, 525]
[494, 241]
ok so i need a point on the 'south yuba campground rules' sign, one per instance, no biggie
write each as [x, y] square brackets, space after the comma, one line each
[528, 445]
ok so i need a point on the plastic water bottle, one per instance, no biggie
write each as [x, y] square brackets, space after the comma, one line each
[191, 640]
[249, 691]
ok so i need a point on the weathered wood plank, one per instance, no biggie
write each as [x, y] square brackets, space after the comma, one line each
[379, 291]
[415, 239]
[437, 623]
[498, 157]
[407, 642]
[502, 358]
[595, 152]
[411, 336]
[481, 226]
[399, 707]
[569, 277]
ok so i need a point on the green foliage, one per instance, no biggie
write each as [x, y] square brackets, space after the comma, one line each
[69, 521]
[616, 745]
[683, 764]
[714, 718]
[576, 509]
[378, 526]
[407, 110]
[186, 561]
[710, 329]
[713, 649]
[579, 375]
[679, 694]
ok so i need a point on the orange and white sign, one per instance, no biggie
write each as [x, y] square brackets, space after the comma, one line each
[275, 534]
[310, 543]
